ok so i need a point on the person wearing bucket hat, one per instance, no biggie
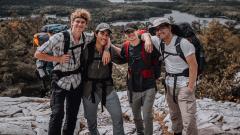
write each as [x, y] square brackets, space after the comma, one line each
[98, 82]
[180, 77]
[141, 77]
[160, 21]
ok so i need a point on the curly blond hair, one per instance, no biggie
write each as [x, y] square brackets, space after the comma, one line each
[81, 13]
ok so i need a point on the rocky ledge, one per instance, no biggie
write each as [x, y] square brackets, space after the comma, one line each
[30, 116]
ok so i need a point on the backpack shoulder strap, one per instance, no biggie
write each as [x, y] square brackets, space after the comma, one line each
[87, 58]
[84, 38]
[66, 41]
[82, 46]
[82, 59]
[179, 49]
[126, 48]
[161, 47]
[110, 64]
[90, 49]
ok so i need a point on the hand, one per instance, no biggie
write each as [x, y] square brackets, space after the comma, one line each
[190, 89]
[148, 47]
[159, 79]
[106, 57]
[64, 58]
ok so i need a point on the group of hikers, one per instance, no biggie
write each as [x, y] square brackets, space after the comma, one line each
[82, 70]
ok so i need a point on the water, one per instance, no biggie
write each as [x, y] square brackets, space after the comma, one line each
[179, 17]
[185, 17]
[62, 18]
[10, 18]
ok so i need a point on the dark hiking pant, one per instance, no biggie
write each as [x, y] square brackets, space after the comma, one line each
[73, 100]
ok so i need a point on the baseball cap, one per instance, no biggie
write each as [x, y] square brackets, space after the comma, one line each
[130, 26]
[103, 27]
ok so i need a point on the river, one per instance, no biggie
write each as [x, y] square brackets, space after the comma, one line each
[179, 17]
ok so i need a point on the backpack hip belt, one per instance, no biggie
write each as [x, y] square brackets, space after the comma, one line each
[175, 76]
[58, 74]
[184, 73]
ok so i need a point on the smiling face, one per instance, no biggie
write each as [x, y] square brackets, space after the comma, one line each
[131, 34]
[102, 37]
[163, 31]
[79, 25]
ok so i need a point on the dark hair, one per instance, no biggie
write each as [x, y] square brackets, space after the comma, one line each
[165, 25]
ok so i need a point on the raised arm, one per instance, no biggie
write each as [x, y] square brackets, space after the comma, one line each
[148, 42]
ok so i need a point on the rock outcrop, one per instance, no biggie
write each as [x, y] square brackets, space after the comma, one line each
[26, 115]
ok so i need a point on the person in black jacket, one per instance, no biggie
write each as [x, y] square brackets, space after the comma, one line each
[143, 70]
[98, 83]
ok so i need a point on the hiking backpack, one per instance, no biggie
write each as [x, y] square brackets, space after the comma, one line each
[43, 68]
[46, 32]
[54, 28]
[151, 67]
[184, 30]
[146, 57]
[146, 73]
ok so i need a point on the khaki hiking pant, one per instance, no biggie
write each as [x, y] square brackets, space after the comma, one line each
[183, 112]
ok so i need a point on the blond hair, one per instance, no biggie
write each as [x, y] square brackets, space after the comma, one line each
[81, 13]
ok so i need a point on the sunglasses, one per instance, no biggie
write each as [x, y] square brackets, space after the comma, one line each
[129, 31]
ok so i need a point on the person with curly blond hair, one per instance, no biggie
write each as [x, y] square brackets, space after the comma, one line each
[67, 49]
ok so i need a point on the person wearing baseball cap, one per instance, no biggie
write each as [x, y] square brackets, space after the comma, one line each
[130, 27]
[66, 80]
[180, 77]
[141, 76]
[98, 84]
[103, 27]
